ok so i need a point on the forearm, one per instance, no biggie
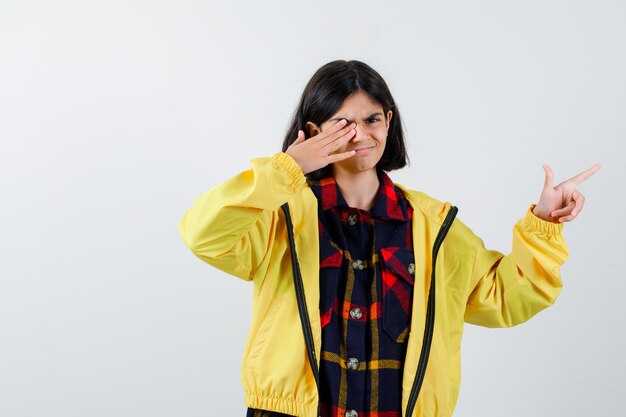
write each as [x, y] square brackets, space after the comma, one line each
[510, 289]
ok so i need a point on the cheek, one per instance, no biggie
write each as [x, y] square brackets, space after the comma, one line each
[381, 131]
[381, 136]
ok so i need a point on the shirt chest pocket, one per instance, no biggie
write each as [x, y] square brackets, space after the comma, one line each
[398, 271]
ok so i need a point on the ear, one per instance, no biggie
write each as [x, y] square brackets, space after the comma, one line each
[312, 129]
[388, 121]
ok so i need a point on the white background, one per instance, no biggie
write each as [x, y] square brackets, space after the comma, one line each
[115, 115]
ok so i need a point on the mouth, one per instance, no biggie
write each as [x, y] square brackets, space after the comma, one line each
[364, 151]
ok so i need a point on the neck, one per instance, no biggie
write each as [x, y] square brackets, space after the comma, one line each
[358, 189]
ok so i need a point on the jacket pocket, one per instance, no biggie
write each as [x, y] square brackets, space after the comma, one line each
[263, 334]
[331, 259]
[398, 269]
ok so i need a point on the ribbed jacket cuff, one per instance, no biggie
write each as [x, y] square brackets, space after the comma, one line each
[538, 225]
[294, 172]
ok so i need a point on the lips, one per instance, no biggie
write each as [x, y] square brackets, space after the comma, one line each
[364, 150]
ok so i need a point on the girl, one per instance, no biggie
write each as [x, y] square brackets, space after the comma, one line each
[388, 275]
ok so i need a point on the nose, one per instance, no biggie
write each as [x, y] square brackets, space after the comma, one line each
[361, 132]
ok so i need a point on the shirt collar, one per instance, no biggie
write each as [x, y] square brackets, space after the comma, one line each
[389, 202]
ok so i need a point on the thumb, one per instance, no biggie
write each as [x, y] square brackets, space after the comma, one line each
[549, 176]
[300, 138]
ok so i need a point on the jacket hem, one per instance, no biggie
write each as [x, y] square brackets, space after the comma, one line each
[280, 405]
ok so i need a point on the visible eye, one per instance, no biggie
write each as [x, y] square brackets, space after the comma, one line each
[373, 120]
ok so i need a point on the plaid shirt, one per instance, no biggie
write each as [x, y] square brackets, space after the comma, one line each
[366, 288]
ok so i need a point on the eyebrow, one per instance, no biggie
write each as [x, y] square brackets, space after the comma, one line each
[349, 121]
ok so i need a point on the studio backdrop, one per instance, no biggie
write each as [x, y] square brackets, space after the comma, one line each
[115, 116]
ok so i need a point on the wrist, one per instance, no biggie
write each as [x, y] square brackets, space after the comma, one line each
[537, 224]
[542, 213]
[297, 161]
[294, 171]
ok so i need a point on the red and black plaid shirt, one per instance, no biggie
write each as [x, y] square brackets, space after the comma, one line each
[366, 288]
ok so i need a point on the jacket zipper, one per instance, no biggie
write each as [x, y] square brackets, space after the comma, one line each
[300, 299]
[430, 315]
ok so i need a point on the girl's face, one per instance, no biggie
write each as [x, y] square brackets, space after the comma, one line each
[371, 132]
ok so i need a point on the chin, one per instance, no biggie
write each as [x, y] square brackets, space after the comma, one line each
[356, 166]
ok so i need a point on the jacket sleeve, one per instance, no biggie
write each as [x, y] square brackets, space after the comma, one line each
[508, 290]
[231, 225]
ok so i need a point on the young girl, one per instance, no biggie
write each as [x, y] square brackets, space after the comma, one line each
[388, 275]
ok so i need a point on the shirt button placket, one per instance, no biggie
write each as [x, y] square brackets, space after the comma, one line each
[356, 313]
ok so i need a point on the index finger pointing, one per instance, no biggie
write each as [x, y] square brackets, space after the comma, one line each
[585, 174]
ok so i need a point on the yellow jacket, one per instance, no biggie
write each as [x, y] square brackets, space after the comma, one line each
[239, 228]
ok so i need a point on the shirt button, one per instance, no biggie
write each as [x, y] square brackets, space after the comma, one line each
[352, 219]
[352, 363]
[411, 268]
[356, 313]
[358, 264]
[352, 413]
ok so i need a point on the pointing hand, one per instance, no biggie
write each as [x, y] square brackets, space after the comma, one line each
[563, 202]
